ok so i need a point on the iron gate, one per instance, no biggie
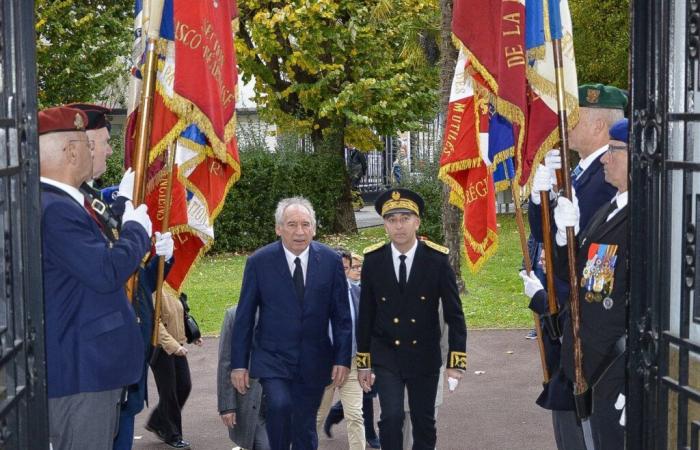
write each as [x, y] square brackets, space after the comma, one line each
[663, 405]
[23, 414]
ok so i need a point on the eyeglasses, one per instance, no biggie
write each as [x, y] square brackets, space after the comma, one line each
[615, 148]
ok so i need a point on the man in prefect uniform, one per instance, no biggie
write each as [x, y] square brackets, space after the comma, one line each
[93, 345]
[398, 333]
[601, 264]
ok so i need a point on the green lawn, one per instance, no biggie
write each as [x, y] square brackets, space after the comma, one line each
[494, 296]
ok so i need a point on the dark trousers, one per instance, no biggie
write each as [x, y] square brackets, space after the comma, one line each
[172, 375]
[422, 390]
[608, 434]
[290, 415]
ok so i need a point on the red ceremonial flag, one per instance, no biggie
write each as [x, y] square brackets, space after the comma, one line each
[205, 69]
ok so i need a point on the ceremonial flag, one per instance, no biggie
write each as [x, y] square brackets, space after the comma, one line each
[546, 21]
[193, 113]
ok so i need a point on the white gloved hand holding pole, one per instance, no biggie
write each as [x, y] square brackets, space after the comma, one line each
[164, 245]
[126, 185]
[552, 160]
[542, 181]
[531, 284]
[566, 214]
[138, 215]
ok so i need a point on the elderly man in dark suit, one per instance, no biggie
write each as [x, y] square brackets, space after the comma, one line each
[296, 286]
[600, 107]
[93, 344]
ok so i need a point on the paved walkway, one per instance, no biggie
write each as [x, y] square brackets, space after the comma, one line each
[367, 217]
[492, 409]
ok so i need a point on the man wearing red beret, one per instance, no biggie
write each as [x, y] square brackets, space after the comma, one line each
[93, 345]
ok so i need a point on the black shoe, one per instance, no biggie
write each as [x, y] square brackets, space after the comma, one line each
[373, 442]
[327, 426]
[178, 443]
[159, 434]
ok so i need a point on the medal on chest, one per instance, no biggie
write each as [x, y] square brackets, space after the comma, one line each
[598, 278]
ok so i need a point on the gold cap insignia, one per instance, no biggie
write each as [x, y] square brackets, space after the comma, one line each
[592, 95]
[78, 122]
[396, 195]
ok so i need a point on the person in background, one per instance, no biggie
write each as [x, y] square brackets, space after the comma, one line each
[171, 372]
[350, 391]
[93, 344]
[336, 414]
[243, 415]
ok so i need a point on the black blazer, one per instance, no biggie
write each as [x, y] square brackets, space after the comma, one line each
[401, 332]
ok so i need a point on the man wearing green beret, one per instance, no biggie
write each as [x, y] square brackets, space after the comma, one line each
[600, 107]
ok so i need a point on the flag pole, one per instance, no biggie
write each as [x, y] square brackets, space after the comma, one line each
[528, 268]
[157, 307]
[552, 317]
[154, 9]
[582, 394]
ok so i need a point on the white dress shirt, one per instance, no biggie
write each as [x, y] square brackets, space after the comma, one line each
[395, 253]
[304, 257]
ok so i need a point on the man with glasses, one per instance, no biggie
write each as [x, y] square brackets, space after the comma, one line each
[398, 334]
[93, 345]
[601, 264]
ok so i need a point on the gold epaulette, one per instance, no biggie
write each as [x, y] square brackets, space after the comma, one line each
[437, 247]
[458, 360]
[363, 360]
[373, 247]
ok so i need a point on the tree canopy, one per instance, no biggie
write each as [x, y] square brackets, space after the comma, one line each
[82, 48]
[601, 41]
[330, 67]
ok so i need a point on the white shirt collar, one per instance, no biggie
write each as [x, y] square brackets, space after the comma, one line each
[588, 160]
[620, 200]
[68, 189]
[395, 253]
[304, 257]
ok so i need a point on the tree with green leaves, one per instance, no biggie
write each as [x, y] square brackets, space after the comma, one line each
[340, 71]
[82, 48]
[601, 40]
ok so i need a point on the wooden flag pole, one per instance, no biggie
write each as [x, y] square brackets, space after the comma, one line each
[154, 9]
[552, 318]
[157, 307]
[528, 268]
[582, 393]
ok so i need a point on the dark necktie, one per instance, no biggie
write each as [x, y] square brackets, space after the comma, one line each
[402, 273]
[92, 212]
[298, 278]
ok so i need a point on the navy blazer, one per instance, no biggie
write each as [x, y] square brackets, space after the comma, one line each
[592, 192]
[291, 337]
[93, 342]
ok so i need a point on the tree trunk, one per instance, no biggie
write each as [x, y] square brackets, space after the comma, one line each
[334, 143]
[452, 216]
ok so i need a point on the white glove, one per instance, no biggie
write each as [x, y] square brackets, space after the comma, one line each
[164, 245]
[542, 181]
[566, 214]
[452, 383]
[620, 405]
[553, 159]
[531, 284]
[126, 185]
[138, 215]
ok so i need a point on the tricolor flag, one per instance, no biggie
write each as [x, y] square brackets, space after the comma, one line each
[545, 21]
[194, 111]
